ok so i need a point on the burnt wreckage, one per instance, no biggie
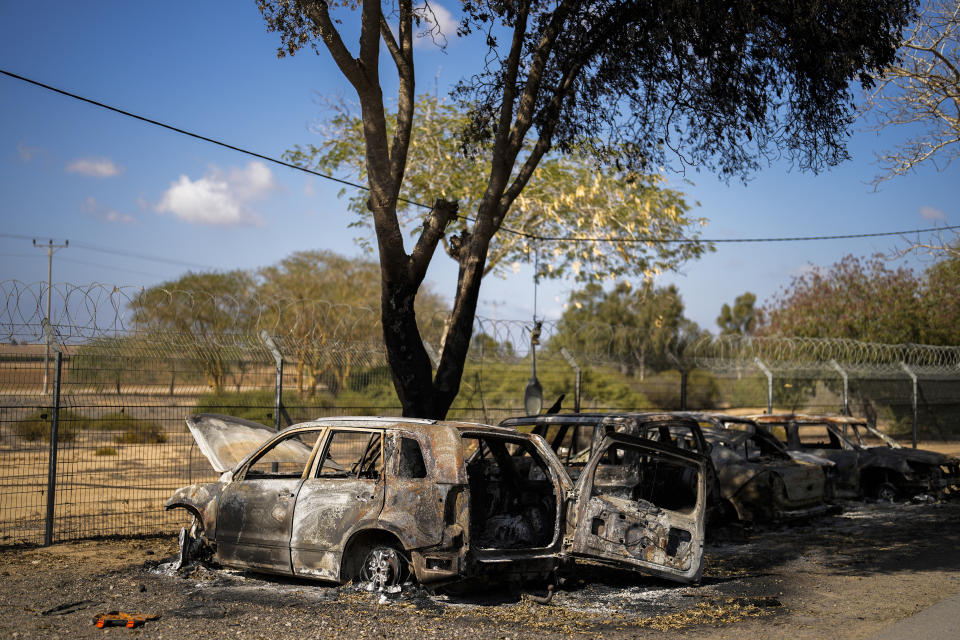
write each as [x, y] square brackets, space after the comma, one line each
[868, 462]
[378, 499]
[759, 479]
[574, 437]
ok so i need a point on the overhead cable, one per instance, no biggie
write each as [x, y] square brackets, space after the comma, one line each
[524, 234]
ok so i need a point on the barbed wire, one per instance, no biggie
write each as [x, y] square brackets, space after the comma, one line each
[305, 328]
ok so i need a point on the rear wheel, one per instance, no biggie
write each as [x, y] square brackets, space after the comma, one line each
[381, 566]
[885, 492]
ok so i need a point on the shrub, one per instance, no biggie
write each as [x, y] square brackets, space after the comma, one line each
[132, 430]
[105, 451]
[37, 426]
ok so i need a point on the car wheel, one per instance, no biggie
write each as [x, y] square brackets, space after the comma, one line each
[885, 492]
[382, 567]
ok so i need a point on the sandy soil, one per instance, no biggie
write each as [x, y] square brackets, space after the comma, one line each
[842, 576]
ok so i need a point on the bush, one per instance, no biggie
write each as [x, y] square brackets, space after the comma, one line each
[37, 426]
[132, 430]
[105, 451]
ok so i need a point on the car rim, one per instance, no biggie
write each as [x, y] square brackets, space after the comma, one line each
[886, 493]
[381, 568]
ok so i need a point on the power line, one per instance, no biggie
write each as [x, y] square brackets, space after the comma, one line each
[140, 256]
[730, 240]
[524, 234]
[120, 252]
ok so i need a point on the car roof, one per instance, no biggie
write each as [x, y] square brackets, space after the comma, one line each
[804, 418]
[593, 418]
[390, 422]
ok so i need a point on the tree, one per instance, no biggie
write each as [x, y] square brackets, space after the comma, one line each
[639, 326]
[204, 307]
[921, 92]
[634, 84]
[741, 319]
[567, 196]
[940, 302]
[856, 299]
[322, 301]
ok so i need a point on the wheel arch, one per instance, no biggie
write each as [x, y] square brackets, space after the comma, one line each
[349, 564]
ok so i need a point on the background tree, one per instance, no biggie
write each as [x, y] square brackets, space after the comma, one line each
[940, 302]
[318, 300]
[635, 84]
[854, 298]
[203, 306]
[921, 92]
[741, 319]
[642, 326]
[567, 196]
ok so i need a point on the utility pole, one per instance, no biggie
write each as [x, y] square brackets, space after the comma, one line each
[51, 249]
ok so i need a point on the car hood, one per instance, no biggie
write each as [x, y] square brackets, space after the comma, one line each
[912, 455]
[226, 440]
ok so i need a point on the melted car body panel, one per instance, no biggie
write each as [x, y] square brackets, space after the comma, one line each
[641, 504]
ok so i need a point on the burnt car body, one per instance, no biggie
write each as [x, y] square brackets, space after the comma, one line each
[868, 463]
[759, 480]
[575, 436]
[375, 499]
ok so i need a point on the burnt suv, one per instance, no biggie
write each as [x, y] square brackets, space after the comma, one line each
[378, 499]
[869, 463]
[575, 436]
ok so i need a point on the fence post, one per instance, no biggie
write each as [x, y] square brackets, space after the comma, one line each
[913, 379]
[846, 386]
[683, 380]
[769, 375]
[54, 436]
[278, 358]
[577, 373]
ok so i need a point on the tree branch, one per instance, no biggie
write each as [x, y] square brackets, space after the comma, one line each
[434, 226]
[320, 15]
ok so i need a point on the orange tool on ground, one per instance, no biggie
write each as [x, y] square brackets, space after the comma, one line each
[121, 619]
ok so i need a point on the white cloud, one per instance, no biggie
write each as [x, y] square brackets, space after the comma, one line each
[95, 210]
[95, 167]
[219, 199]
[436, 16]
[929, 213]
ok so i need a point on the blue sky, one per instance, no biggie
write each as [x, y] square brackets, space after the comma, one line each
[113, 185]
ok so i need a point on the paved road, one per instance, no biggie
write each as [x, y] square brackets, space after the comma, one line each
[941, 620]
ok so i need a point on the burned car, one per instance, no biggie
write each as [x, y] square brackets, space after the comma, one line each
[869, 463]
[759, 480]
[575, 436]
[379, 499]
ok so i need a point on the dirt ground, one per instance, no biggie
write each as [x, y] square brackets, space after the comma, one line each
[842, 576]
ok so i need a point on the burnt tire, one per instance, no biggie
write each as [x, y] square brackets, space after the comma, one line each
[380, 566]
[885, 492]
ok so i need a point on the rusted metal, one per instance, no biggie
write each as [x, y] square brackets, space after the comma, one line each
[377, 498]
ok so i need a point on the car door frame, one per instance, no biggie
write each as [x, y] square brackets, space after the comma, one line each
[585, 539]
[265, 545]
[328, 512]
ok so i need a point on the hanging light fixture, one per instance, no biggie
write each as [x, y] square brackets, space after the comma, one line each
[533, 394]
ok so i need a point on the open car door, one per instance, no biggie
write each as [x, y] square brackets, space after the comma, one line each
[640, 505]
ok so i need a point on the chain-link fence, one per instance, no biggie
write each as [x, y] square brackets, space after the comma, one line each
[112, 397]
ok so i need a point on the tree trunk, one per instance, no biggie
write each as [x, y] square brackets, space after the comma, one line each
[408, 360]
